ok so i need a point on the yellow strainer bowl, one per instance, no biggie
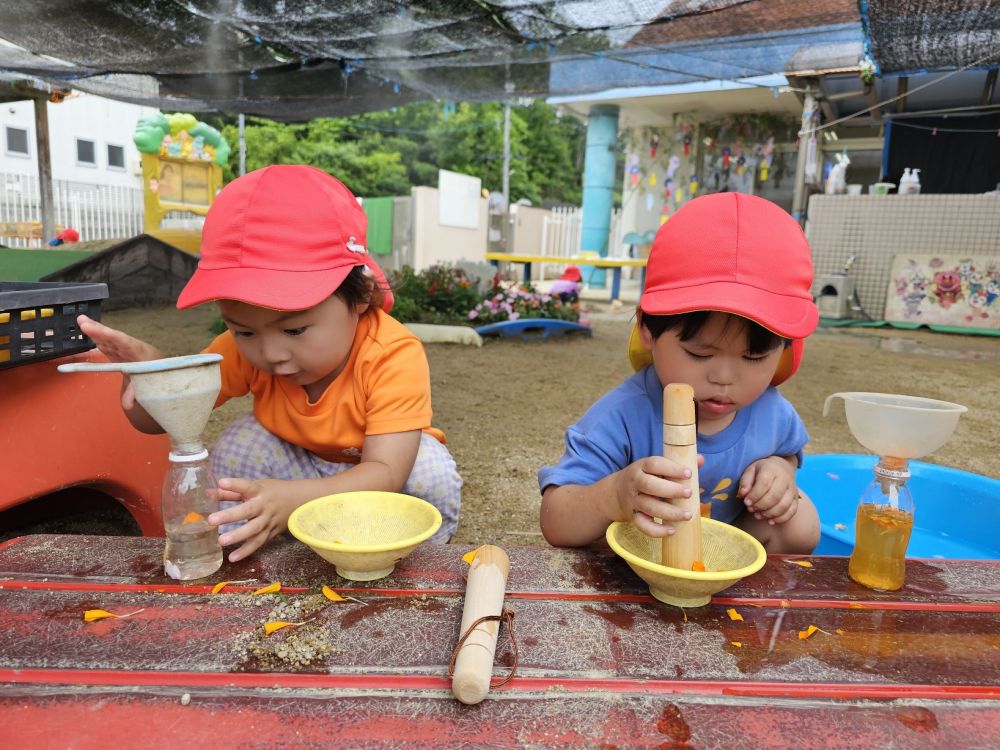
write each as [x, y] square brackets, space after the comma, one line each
[728, 554]
[364, 534]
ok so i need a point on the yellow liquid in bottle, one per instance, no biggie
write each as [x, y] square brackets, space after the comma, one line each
[879, 557]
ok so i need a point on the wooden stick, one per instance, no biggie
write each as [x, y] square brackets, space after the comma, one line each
[682, 548]
[484, 594]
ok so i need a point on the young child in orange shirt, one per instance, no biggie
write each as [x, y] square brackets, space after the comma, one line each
[341, 390]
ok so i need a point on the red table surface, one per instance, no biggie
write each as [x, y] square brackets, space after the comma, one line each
[601, 664]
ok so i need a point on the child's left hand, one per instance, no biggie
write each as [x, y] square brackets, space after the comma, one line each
[266, 507]
[768, 489]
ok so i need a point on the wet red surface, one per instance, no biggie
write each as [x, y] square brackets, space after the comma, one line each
[600, 665]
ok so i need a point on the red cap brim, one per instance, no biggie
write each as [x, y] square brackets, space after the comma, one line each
[792, 317]
[276, 290]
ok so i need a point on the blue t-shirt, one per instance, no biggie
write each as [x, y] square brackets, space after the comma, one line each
[627, 424]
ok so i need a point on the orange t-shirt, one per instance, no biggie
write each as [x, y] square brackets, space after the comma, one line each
[384, 387]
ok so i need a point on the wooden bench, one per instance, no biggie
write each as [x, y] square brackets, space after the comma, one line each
[615, 264]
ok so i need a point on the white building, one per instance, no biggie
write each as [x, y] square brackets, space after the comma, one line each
[90, 139]
[96, 177]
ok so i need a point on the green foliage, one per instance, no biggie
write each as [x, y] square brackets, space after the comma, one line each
[387, 153]
[441, 294]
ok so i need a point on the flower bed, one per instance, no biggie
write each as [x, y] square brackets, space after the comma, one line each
[447, 295]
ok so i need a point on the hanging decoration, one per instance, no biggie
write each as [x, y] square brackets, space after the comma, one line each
[672, 166]
[654, 144]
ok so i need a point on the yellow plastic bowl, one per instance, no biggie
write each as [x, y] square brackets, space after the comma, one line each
[728, 554]
[364, 534]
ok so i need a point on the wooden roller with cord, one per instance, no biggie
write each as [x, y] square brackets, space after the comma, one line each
[484, 593]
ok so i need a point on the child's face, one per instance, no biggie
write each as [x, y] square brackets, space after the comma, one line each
[306, 347]
[716, 363]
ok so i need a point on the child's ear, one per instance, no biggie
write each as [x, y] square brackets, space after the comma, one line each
[645, 337]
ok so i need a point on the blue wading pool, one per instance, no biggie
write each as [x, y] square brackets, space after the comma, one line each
[956, 516]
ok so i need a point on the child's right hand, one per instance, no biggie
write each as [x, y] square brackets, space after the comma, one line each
[118, 346]
[266, 505]
[643, 488]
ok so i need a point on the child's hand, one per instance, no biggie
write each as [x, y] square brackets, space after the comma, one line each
[641, 491]
[266, 507]
[768, 489]
[118, 346]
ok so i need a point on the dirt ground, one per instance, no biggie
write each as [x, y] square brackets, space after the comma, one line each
[504, 406]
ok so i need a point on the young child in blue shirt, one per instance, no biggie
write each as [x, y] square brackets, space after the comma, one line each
[726, 306]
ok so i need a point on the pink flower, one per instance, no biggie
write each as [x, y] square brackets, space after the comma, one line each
[473, 314]
[514, 316]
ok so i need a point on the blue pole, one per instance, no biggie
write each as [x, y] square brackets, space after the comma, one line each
[599, 177]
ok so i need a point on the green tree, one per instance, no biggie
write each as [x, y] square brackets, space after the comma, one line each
[385, 153]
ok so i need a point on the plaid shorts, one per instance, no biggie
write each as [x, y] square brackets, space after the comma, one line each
[249, 451]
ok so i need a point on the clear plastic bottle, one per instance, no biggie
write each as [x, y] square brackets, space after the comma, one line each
[884, 523]
[189, 496]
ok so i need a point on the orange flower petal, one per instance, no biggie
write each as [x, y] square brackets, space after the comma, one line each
[274, 588]
[92, 615]
[801, 563]
[270, 627]
[332, 595]
[192, 517]
[738, 644]
[840, 527]
[803, 634]
[698, 566]
[734, 615]
[839, 631]
[469, 556]
[222, 584]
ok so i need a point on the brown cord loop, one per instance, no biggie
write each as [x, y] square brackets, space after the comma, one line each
[505, 616]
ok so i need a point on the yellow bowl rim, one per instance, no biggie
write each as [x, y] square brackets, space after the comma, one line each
[311, 541]
[708, 575]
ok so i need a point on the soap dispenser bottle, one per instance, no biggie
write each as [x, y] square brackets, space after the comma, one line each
[915, 181]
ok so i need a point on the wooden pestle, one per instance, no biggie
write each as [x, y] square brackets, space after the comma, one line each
[682, 548]
[484, 594]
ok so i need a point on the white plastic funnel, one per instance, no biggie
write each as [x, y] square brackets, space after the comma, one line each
[178, 392]
[900, 426]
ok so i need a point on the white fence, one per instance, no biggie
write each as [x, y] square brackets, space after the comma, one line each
[97, 212]
[561, 234]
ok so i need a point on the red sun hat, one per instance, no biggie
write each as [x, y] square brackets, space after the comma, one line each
[572, 273]
[733, 253]
[283, 237]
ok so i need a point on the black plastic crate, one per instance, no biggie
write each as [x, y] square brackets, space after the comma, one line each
[38, 319]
